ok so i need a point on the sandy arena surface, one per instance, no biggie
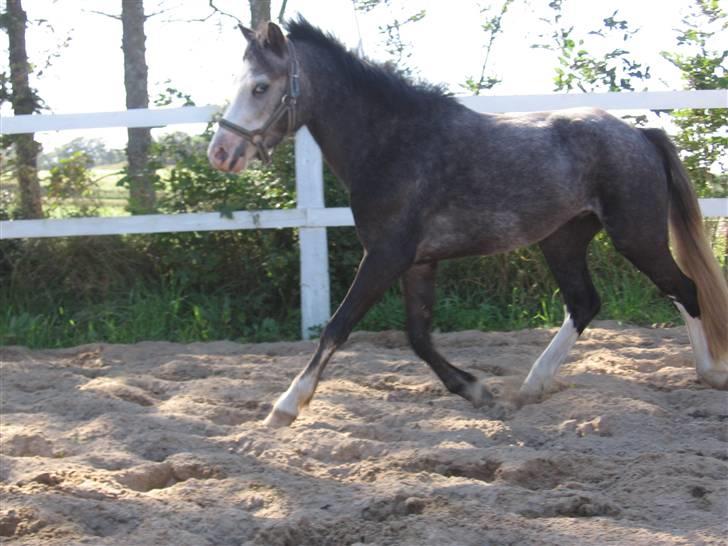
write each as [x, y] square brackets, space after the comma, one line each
[161, 443]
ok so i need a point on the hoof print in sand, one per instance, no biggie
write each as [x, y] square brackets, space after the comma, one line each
[120, 390]
[533, 474]
[151, 476]
[397, 506]
[568, 504]
[28, 445]
[16, 523]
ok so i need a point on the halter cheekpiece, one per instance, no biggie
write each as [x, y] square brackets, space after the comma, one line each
[287, 106]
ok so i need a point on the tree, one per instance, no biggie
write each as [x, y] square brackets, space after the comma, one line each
[25, 101]
[141, 180]
[94, 148]
[259, 12]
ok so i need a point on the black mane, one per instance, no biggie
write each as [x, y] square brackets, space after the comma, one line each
[374, 79]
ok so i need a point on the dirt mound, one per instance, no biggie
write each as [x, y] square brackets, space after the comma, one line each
[160, 443]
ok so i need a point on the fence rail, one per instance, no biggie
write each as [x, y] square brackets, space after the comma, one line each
[142, 117]
[165, 223]
[311, 216]
[214, 221]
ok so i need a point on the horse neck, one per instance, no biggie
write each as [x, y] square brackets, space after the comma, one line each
[347, 125]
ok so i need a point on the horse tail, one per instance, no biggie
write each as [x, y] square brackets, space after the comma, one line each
[694, 254]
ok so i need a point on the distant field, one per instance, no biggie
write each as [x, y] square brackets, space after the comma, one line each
[109, 199]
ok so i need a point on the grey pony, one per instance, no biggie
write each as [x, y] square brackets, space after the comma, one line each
[430, 179]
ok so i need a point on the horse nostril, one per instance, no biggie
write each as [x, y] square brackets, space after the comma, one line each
[221, 155]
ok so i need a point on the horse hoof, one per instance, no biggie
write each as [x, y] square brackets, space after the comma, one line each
[501, 412]
[525, 398]
[479, 395]
[716, 378]
[278, 419]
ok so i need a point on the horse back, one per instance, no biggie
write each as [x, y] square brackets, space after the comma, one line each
[492, 183]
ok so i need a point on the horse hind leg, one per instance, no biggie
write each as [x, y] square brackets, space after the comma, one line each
[566, 255]
[648, 251]
[711, 371]
[703, 298]
[418, 285]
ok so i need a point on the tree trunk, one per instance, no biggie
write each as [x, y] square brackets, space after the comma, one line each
[24, 101]
[259, 12]
[142, 197]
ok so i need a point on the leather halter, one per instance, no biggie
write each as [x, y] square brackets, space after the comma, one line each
[287, 106]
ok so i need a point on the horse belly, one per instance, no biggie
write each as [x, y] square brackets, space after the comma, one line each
[463, 234]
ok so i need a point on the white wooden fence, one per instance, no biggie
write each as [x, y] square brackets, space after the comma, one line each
[311, 216]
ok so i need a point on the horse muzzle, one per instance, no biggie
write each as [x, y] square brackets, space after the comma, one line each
[229, 154]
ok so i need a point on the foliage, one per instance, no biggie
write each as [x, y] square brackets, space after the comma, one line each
[492, 27]
[152, 184]
[612, 70]
[7, 203]
[128, 289]
[397, 48]
[94, 149]
[702, 60]
[261, 265]
[238, 284]
[702, 138]
[368, 5]
[171, 95]
[144, 312]
[71, 180]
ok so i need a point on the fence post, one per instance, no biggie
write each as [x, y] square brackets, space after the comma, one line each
[315, 299]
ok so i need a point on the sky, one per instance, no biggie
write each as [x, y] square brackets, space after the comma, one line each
[199, 57]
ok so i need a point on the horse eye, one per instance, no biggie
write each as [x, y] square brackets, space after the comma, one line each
[260, 89]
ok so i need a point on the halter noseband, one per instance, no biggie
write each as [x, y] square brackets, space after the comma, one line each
[287, 105]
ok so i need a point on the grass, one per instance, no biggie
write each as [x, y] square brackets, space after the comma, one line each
[73, 291]
[636, 303]
[145, 313]
[169, 312]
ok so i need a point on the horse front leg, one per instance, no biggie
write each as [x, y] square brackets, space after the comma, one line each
[377, 272]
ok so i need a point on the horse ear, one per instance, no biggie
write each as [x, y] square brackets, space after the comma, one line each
[275, 39]
[249, 34]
